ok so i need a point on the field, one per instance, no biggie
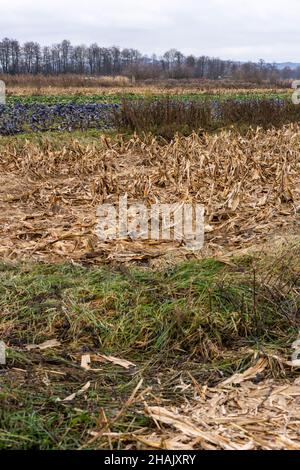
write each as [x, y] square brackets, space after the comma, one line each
[138, 344]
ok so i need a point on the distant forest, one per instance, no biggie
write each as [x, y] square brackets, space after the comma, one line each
[32, 58]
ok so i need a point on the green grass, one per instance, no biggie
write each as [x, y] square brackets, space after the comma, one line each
[117, 98]
[203, 317]
[142, 311]
[57, 139]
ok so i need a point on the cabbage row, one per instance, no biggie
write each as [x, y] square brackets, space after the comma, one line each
[59, 117]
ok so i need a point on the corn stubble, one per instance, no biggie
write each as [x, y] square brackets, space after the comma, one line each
[249, 186]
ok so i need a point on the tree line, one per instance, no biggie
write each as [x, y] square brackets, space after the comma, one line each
[63, 58]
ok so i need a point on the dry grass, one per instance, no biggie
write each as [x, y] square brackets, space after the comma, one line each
[221, 84]
[166, 116]
[68, 90]
[29, 82]
[171, 85]
[115, 88]
[249, 186]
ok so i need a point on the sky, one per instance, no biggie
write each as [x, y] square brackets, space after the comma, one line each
[229, 29]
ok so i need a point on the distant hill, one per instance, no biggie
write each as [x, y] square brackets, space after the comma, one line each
[291, 65]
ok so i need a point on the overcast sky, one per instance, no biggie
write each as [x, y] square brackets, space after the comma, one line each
[230, 29]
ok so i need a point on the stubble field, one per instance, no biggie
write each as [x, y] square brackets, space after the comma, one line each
[143, 344]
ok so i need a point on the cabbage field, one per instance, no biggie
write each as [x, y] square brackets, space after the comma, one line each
[182, 113]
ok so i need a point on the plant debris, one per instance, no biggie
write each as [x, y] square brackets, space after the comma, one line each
[264, 415]
[53, 343]
[249, 186]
